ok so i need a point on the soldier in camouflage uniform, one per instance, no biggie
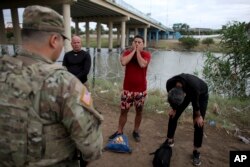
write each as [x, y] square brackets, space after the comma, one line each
[45, 112]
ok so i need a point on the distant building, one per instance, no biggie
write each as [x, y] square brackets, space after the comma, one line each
[201, 29]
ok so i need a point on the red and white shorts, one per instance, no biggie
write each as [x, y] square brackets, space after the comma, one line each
[132, 98]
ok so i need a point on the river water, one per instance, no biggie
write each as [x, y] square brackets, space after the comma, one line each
[166, 64]
[163, 65]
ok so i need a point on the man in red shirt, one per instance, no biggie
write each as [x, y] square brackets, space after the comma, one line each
[135, 84]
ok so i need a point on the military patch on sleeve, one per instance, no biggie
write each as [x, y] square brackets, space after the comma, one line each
[86, 97]
[87, 102]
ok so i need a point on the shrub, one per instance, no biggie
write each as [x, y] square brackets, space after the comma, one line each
[228, 74]
[208, 41]
[9, 35]
[189, 42]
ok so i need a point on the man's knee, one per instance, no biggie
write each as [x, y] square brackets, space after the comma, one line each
[124, 111]
[139, 109]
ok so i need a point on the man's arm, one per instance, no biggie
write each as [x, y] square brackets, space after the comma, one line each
[86, 66]
[142, 62]
[196, 109]
[82, 124]
[124, 59]
[195, 104]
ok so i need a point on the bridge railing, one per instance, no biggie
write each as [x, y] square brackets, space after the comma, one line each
[132, 9]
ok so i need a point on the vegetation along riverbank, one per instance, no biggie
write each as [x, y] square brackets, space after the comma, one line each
[227, 76]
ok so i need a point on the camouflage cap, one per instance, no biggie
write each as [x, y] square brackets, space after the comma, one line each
[43, 19]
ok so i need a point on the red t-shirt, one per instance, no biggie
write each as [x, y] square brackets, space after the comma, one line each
[135, 76]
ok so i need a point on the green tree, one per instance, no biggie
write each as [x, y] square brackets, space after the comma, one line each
[177, 26]
[181, 27]
[91, 31]
[73, 30]
[9, 35]
[185, 27]
[189, 42]
[208, 41]
[228, 74]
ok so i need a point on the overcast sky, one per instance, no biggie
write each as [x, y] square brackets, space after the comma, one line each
[196, 13]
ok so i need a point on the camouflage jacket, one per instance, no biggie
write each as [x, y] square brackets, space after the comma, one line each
[59, 119]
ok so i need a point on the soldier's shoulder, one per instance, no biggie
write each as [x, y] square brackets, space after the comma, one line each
[61, 71]
[53, 66]
[9, 59]
[53, 72]
[63, 82]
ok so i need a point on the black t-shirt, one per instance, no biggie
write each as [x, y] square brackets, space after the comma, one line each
[78, 63]
[193, 86]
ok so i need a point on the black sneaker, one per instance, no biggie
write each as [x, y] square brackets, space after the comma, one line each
[170, 142]
[114, 135]
[136, 136]
[196, 158]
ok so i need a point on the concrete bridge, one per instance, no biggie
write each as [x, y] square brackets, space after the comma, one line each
[114, 13]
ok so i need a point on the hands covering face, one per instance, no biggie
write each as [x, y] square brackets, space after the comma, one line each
[137, 44]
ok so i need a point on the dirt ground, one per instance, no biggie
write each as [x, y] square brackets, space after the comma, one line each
[215, 151]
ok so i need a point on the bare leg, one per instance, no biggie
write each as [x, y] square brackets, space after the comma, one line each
[138, 118]
[122, 120]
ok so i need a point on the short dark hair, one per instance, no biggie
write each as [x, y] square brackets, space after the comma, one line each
[138, 36]
[176, 97]
[34, 35]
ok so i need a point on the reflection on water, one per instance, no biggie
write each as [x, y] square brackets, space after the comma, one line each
[166, 64]
[163, 65]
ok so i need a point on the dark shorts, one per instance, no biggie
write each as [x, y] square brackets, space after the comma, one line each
[132, 98]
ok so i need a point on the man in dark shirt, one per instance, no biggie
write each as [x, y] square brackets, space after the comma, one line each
[183, 89]
[77, 61]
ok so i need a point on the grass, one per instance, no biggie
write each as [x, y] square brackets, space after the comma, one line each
[156, 102]
[176, 45]
[170, 44]
[104, 42]
[230, 113]
[107, 90]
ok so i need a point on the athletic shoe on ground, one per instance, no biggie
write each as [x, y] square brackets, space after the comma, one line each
[136, 136]
[114, 135]
[196, 158]
[170, 142]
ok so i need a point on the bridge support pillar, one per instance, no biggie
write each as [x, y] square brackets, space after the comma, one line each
[136, 31]
[145, 37]
[98, 37]
[149, 36]
[87, 34]
[157, 35]
[123, 28]
[16, 27]
[118, 37]
[127, 36]
[3, 39]
[110, 36]
[67, 20]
